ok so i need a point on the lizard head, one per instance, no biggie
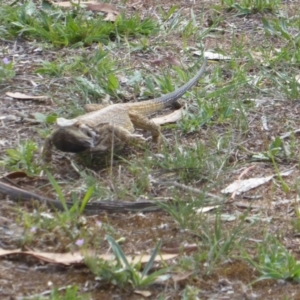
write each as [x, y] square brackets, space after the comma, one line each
[71, 139]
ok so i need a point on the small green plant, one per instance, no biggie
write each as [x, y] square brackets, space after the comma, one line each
[296, 221]
[47, 119]
[186, 161]
[78, 206]
[220, 242]
[56, 69]
[69, 221]
[274, 261]
[279, 27]
[141, 183]
[275, 148]
[67, 293]
[122, 273]
[184, 213]
[22, 158]
[246, 7]
[192, 122]
[167, 15]
[190, 293]
[189, 28]
[6, 70]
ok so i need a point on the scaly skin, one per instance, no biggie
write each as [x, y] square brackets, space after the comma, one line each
[103, 126]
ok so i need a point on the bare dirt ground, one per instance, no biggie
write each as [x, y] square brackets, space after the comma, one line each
[28, 276]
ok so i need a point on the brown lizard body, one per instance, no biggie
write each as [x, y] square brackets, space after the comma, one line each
[103, 125]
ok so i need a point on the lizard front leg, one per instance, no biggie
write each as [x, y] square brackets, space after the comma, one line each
[111, 134]
[47, 150]
[142, 122]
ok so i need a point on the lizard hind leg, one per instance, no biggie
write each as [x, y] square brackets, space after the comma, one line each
[142, 122]
[93, 107]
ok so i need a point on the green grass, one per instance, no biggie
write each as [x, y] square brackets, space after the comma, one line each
[68, 293]
[247, 7]
[220, 135]
[74, 28]
[274, 261]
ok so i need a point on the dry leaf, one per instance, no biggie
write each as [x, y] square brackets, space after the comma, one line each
[69, 4]
[103, 7]
[205, 209]
[110, 17]
[257, 56]
[25, 97]
[15, 174]
[145, 258]
[110, 9]
[58, 258]
[241, 186]
[78, 258]
[228, 217]
[145, 294]
[212, 55]
[288, 134]
[183, 276]
[170, 118]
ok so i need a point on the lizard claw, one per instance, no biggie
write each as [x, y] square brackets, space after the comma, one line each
[138, 136]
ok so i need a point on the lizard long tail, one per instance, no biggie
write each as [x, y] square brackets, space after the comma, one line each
[151, 106]
[173, 96]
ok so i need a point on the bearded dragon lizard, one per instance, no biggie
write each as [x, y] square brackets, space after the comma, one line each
[104, 125]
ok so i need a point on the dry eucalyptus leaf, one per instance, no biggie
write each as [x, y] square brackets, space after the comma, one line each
[145, 294]
[78, 258]
[240, 186]
[103, 7]
[182, 276]
[69, 4]
[212, 55]
[22, 96]
[91, 5]
[288, 134]
[170, 118]
[110, 17]
[205, 209]
[257, 56]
